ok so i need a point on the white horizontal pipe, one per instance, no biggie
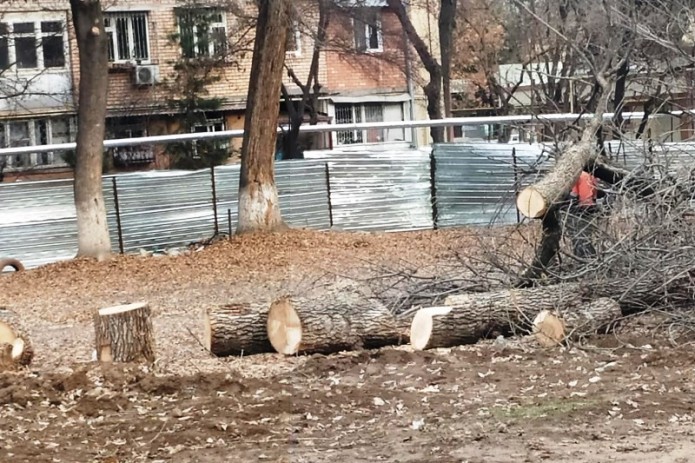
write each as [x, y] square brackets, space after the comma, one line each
[237, 133]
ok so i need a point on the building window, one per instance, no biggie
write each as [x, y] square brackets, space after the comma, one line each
[356, 113]
[32, 133]
[32, 45]
[202, 32]
[127, 156]
[367, 26]
[128, 37]
[209, 146]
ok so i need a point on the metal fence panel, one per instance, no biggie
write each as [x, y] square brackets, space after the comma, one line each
[477, 183]
[386, 190]
[165, 209]
[37, 222]
[381, 191]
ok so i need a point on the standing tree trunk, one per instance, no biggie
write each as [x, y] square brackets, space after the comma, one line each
[433, 89]
[447, 24]
[259, 209]
[310, 90]
[92, 228]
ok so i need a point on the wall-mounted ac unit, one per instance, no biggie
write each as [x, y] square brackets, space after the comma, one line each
[146, 74]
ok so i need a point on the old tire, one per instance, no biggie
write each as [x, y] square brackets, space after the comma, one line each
[14, 263]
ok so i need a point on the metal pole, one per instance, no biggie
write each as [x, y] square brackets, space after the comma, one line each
[214, 199]
[516, 184]
[229, 222]
[328, 190]
[322, 128]
[118, 215]
[433, 190]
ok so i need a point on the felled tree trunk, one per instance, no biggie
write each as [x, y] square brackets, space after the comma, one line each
[302, 325]
[12, 333]
[468, 318]
[535, 200]
[124, 333]
[552, 328]
[236, 329]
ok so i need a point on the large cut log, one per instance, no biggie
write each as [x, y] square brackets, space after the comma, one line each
[468, 318]
[552, 328]
[124, 333]
[535, 200]
[236, 329]
[13, 333]
[303, 325]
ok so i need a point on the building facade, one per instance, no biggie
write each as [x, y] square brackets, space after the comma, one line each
[175, 67]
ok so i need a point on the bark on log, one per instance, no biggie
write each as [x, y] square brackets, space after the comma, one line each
[535, 200]
[552, 328]
[14, 263]
[301, 325]
[124, 333]
[13, 333]
[6, 362]
[236, 329]
[468, 318]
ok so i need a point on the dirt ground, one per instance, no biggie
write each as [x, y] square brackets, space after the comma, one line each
[628, 396]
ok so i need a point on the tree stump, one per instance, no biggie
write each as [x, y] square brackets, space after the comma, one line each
[236, 329]
[124, 333]
[326, 325]
[13, 333]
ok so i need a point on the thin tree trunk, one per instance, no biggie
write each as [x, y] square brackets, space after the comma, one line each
[433, 89]
[310, 90]
[259, 209]
[92, 228]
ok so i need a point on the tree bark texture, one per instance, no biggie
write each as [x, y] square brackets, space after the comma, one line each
[259, 209]
[433, 89]
[124, 334]
[535, 200]
[92, 228]
[328, 325]
[236, 329]
[13, 333]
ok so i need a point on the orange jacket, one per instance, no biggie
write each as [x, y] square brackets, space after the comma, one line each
[585, 189]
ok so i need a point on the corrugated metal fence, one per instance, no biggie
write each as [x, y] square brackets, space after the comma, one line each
[388, 191]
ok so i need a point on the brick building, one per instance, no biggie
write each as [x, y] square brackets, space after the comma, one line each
[362, 74]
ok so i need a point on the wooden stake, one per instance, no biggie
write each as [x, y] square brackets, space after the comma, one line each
[124, 333]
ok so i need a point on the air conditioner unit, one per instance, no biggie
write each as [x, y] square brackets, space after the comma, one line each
[146, 74]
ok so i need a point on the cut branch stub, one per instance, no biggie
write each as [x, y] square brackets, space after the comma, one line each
[236, 329]
[13, 334]
[124, 333]
[551, 328]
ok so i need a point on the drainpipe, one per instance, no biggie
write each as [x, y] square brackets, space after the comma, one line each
[409, 80]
